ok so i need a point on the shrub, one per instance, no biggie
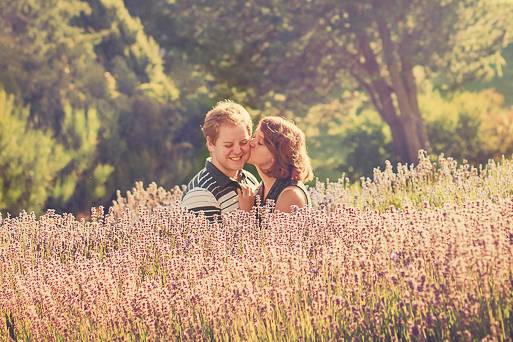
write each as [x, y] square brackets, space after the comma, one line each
[30, 159]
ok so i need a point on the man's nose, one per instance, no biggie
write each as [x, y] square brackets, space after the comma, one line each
[237, 149]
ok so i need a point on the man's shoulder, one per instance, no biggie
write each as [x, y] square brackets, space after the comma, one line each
[198, 174]
[201, 179]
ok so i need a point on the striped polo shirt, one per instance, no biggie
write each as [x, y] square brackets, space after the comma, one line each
[214, 193]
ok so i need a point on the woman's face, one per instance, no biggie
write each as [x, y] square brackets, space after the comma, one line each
[260, 155]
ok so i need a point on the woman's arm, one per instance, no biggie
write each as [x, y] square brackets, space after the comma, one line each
[291, 195]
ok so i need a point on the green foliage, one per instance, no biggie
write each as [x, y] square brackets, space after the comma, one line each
[54, 67]
[149, 138]
[122, 86]
[96, 81]
[151, 149]
[475, 126]
[79, 135]
[345, 138]
[30, 159]
[308, 52]
[129, 53]
[348, 138]
[502, 82]
[48, 59]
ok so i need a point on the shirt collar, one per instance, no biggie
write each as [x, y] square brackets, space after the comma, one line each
[222, 179]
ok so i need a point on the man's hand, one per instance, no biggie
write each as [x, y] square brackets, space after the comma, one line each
[246, 195]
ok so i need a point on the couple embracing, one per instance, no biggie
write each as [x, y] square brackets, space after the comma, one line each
[277, 149]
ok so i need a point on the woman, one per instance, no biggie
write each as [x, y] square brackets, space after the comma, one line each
[278, 151]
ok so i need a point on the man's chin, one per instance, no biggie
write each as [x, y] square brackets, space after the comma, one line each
[237, 165]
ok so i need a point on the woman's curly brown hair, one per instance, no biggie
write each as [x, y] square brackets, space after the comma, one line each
[286, 142]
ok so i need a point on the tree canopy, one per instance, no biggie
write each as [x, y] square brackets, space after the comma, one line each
[102, 93]
[305, 51]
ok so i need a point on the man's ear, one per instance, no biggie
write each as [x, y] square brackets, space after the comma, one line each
[210, 145]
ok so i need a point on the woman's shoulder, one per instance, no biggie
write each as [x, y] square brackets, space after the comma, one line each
[292, 195]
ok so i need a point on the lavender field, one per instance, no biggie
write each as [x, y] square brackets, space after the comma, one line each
[422, 253]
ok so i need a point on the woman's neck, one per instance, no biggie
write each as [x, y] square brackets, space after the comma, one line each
[268, 182]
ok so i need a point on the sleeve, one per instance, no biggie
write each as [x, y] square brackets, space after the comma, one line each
[201, 200]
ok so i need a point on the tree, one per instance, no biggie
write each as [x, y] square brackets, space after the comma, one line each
[47, 60]
[475, 126]
[146, 140]
[346, 136]
[501, 82]
[311, 50]
[30, 159]
[83, 180]
[96, 82]
[49, 63]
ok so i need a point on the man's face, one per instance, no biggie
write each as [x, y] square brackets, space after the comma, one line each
[231, 149]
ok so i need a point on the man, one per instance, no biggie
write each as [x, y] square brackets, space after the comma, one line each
[214, 190]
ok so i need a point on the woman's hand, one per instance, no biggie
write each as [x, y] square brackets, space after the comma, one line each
[246, 195]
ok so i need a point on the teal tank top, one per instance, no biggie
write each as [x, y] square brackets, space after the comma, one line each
[278, 188]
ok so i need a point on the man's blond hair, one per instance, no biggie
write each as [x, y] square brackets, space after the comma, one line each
[225, 112]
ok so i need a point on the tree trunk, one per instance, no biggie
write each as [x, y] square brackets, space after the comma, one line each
[409, 122]
[402, 116]
[406, 140]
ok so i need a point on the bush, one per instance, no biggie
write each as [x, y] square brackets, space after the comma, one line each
[472, 126]
[345, 139]
[30, 160]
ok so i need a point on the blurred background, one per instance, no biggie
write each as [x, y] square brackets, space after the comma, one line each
[98, 94]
